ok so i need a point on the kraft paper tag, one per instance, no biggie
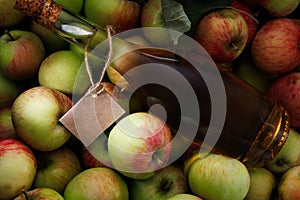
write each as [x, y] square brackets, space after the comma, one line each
[91, 116]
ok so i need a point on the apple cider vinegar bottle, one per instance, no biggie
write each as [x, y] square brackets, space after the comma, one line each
[212, 107]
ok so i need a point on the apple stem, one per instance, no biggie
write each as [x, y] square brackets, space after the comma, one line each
[25, 194]
[234, 46]
[9, 35]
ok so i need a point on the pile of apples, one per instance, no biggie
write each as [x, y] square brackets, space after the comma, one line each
[259, 40]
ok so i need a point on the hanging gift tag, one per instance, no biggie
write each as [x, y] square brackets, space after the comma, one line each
[91, 116]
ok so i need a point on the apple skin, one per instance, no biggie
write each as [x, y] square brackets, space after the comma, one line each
[165, 183]
[223, 34]
[60, 70]
[275, 47]
[139, 144]
[9, 91]
[7, 129]
[122, 15]
[288, 156]
[17, 168]
[285, 91]
[219, 177]
[97, 183]
[8, 15]
[35, 115]
[262, 184]
[56, 169]
[21, 55]
[39, 194]
[184, 197]
[289, 184]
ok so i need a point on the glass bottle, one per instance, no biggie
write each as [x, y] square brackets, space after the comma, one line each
[254, 128]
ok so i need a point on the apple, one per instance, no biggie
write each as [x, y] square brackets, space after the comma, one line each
[56, 168]
[9, 91]
[262, 184]
[73, 5]
[7, 129]
[17, 168]
[184, 197]
[39, 194]
[8, 15]
[97, 183]
[223, 34]
[139, 144]
[35, 115]
[166, 182]
[288, 156]
[276, 8]
[285, 91]
[61, 69]
[289, 184]
[52, 42]
[120, 14]
[275, 47]
[215, 176]
[96, 155]
[21, 54]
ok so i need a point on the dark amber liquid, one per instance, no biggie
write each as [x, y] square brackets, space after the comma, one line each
[246, 113]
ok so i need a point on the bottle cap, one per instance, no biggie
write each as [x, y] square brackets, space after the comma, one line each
[44, 12]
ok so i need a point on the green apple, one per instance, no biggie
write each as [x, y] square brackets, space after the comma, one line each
[35, 115]
[288, 156]
[215, 176]
[166, 182]
[97, 183]
[120, 14]
[56, 168]
[7, 129]
[60, 70]
[73, 5]
[8, 15]
[139, 144]
[9, 91]
[262, 184]
[39, 194]
[289, 184]
[21, 53]
[17, 168]
[184, 197]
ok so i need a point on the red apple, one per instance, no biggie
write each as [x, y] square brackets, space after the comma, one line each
[223, 34]
[21, 53]
[275, 47]
[39, 194]
[7, 129]
[17, 168]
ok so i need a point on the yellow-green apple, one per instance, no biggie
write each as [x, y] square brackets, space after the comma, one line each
[61, 69]
[21, 54]
[52, 42]
[288, 156]
[97, 183]
[262, 184]
[7, 129]
[39, 194]
[277, 8]
[9, 91]
[184, 197]
[17, 168]
[166, 182]
[289, 184]
[8, 15]
[120, 14]
[139, 144]
[275, 47]
[73, 5]
[35, 115]
[56, 168]
[215, 176]
[223, 34]
[96, 154]
[285, 91]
